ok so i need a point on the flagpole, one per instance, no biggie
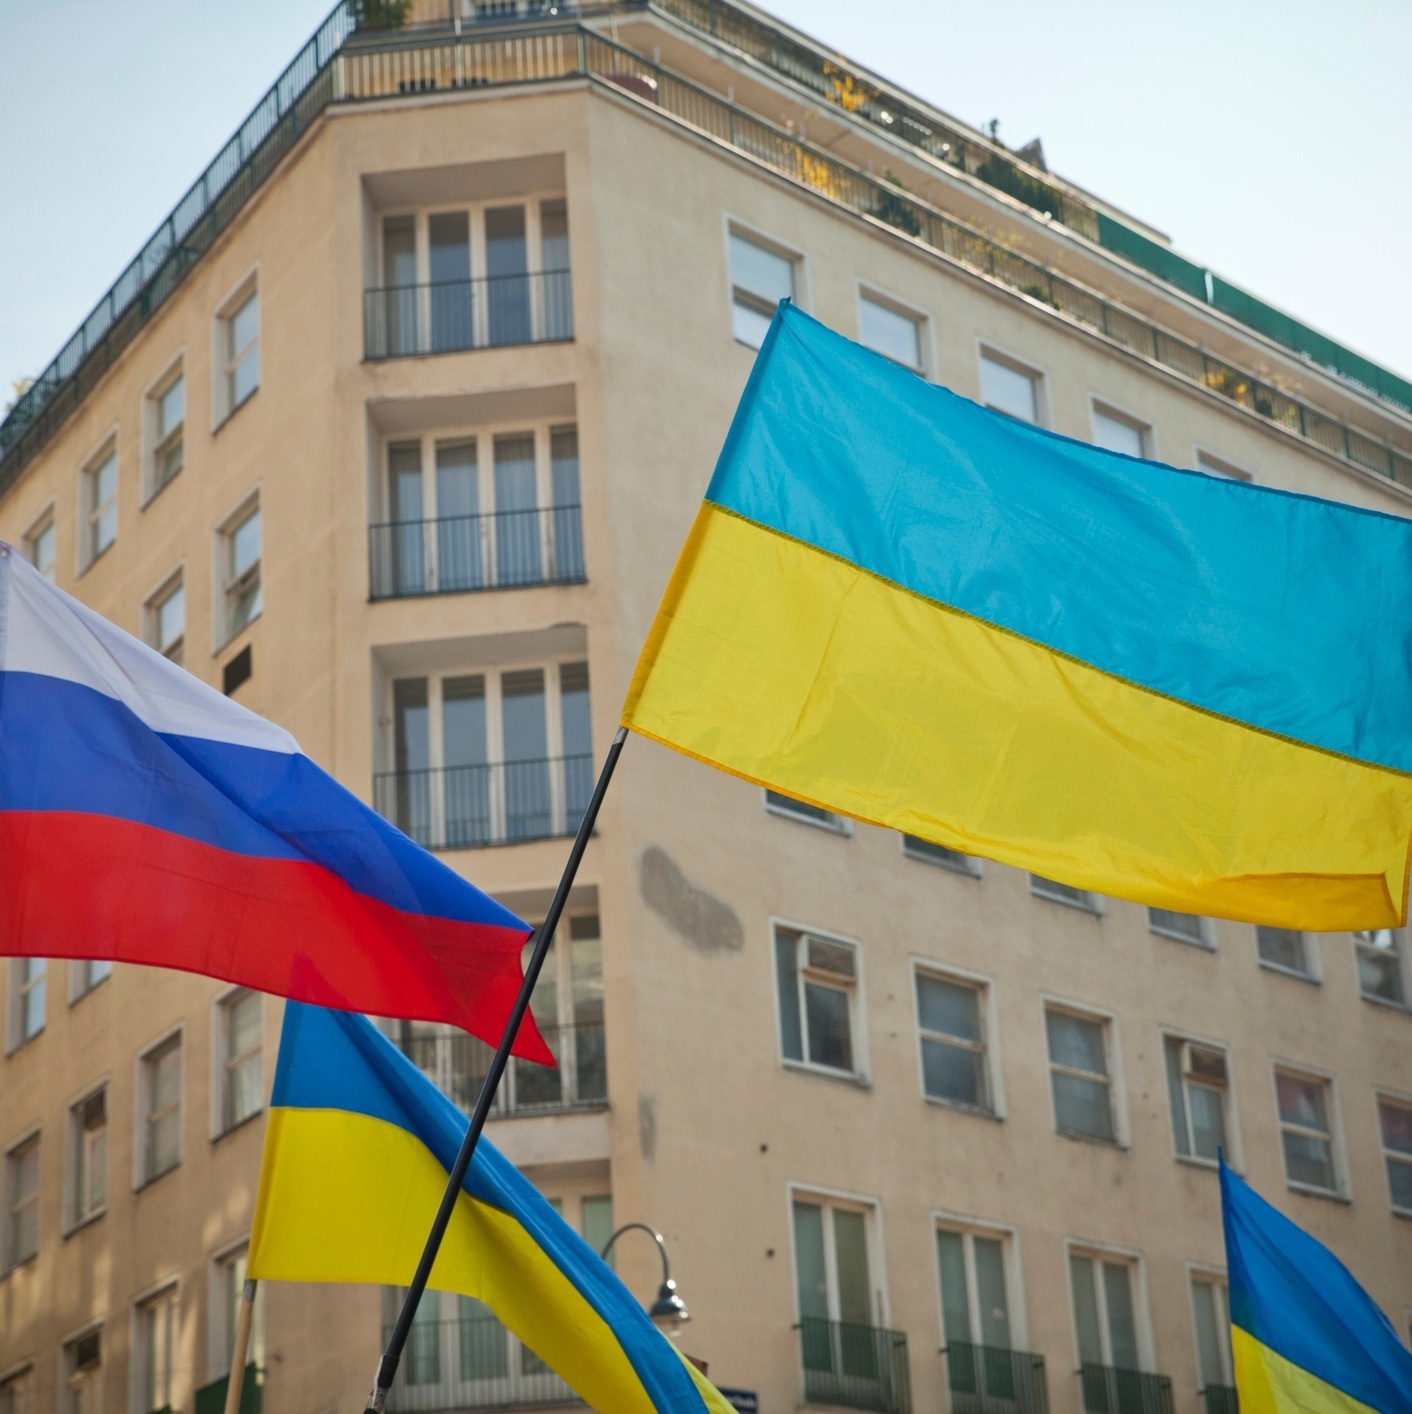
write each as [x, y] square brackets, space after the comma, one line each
[392, 1355]
[235, 1385]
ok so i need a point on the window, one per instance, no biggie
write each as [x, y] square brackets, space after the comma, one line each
[1116, 432]
[975, 1297]
[889, 330]
[1395, 1121]
[1306, 1131]
[166, 619]
[1210, 1311]
[832, 1263]
[242, 1075]
[1285, 950]
[17, 1392]
[1181, 927]
[1216, 466]
[914, 847]
[779, 804]
[100, 504]
[227, 1283]
[953, 1036]
[160, 1096]
[238, 334]
[85, 975]
[1056, 892]
[1105, 1312]
[760, 279]
[1009, 388]
[818, 995]
[156, 1332]
[166, 420]
[1197, 1083]
[1382, 965]
[21, 1202]
[490, 757]
[28, 993]
[1080, 1075]
[88, 1157]
[239, 561]
[83, 1371]
[41, 544]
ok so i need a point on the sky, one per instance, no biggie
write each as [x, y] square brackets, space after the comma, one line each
[1271, 139]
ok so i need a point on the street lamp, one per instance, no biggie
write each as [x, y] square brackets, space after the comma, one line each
[668, 1312]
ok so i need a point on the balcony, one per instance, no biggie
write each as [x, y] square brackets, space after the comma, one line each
[496, 311]
[457, 1065]
[1221, 1399]
[211, 1398]
[472, 1363]
[855, 1367]
[1110, 1390]
[493, 803]
[985, 1379]
[460, 554]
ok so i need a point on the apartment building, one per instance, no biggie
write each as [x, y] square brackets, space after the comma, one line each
[393, 431]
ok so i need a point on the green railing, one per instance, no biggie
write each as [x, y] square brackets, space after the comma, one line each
[1221, 1399]
[1108, 1389]
[855, 1367]
[986, 1379]
[211, 1398]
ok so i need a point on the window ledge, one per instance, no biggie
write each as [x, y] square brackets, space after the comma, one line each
[1309, 1191]
[823, 1072]
[244, 402]
[1290, 972]
[151, 495]
[1400, 1007]
[1201, 946]
[1195, 1161]
[238, 1125]
[1091, 1139]
[20, 1265]
[958, 1108]
[155, 1178]
[237, 635]
[85, 1222]
[965, 871]
[1092, 909]
[835, 827]
[89, 991]
[20, 1045]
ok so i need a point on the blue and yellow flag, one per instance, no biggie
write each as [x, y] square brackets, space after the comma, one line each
[1161, 685]
[357, 1152]
[1306, 1338]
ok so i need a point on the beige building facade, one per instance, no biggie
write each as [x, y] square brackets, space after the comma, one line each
[394, 435]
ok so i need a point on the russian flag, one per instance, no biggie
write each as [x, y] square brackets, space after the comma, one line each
[146, 818]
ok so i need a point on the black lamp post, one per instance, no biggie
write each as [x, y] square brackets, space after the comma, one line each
[668, 1311]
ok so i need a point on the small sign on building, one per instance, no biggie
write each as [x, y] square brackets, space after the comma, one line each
[744, 1401]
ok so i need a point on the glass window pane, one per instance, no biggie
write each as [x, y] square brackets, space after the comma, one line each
[790, 806]
[171, 619]
[809, 1260]
[826, 1013]
[831, 957]
[1208, 1121]
[761, 272]
[597, 1214]
[404, 480]
[953, 1073]
[505, 241]
[573, 684]
[448, 235]
[1122, 1328]
[1282, 947]
[554, 234]
[459, 546]
[245, 545]
[1081, 1284]
[517, 531]
[884, 330]
[990, 1292]
[786, 971]
[463, 720]
[410, 725]
[1209, 1335]
[955, 1301]
[1302, 1102]
[917, 848]
[1008, 390]
[244, 1024]
[1309, 1160]
[855, 1292]
[522, 704]
[1396, 1121]
[1082, 1106]
[949, 1008]
[1176, 1095]
[749, 325]
[1076, 1042]
[1186, 926]
[245, 326]
[1116, 435]
[171, 408]
[399, 251]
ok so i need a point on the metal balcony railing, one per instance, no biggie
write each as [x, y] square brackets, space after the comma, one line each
[1107, 1389]
[856, 1367]
[457, 1064]
[501, 802]
[400, 321]
[211, 1398]
[471, 1363]
[986, 1379]
[1221, 1399]
[457, 554]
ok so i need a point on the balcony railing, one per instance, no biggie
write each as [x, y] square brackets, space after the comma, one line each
[400, 321]
[501, 802]
[986, 1379]
[457, 554]
[211, 1398]
[457, 1064]
[1221, 1399]
[471, 1363]
[856, 1367]
[1108, 1389]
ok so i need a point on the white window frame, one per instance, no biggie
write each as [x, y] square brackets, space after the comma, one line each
[34, 1135]
[1342, 1192]
[222, 365]
[222, 583]
[872, 1211]
[990, 1031]
[1313, 955]
[836, 824]
[1016, 363]
[1205, 926]
[904, 309]
[73, 1145]
[81, 984]
[532, 200]
[1009, 1239]
[47, 519]
[1213, 1276]
[1235, 1156]
[1402, 955]
[1403, 1101]
[88, 555]
[142, 1110]
[1091, 903]
[152, 395]
[1099, 406]
[786, 250]
[1142, 1316]
[151, 607]
[69, 1377]
[1113, 1054]
[15, 993]
[169, 1288]
[1212, 464]
[858, 1010]
[971, 866]
[220, 1318]
[221, 1122]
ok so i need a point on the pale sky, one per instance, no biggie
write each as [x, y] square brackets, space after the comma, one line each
[1272, 139]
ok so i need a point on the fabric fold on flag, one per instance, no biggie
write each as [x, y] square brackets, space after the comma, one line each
[1156, 684]
[357, 1154]
[1304, 1335]
[146, 818]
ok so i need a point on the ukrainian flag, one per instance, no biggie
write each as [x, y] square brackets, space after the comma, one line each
[1156, 684]
[1307, 1339]
[357, 1153]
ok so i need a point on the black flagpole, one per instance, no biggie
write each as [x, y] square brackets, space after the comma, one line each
[391, 1357]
